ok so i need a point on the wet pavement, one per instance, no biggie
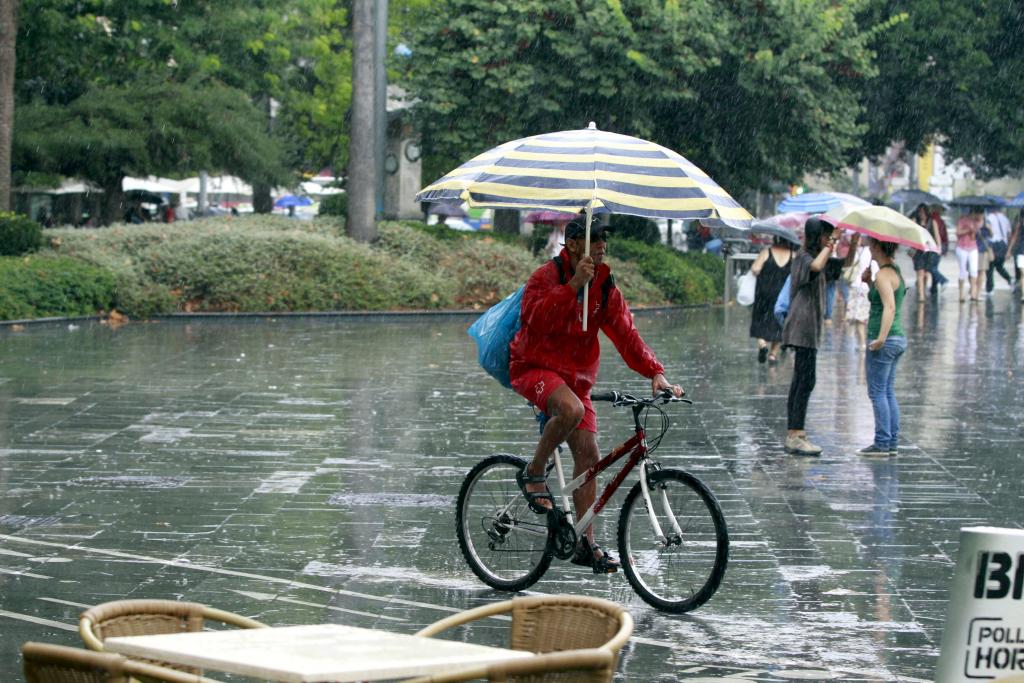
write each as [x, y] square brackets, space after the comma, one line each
[304, 470]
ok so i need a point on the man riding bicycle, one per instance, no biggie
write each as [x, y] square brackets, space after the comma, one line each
[554, 364]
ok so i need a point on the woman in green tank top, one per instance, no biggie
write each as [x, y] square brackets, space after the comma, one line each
[887, 344]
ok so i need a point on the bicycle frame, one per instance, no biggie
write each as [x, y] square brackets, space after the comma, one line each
[636, 449]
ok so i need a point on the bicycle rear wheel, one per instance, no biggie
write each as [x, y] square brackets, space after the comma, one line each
[682, 575]
[505, 544]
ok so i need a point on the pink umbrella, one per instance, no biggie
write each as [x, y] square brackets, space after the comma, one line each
[549, 217]
[793, 220]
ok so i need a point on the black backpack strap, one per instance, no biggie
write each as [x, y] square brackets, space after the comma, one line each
[561, 273]
[606, 288]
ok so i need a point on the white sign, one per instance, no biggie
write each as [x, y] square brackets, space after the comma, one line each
[984, 635]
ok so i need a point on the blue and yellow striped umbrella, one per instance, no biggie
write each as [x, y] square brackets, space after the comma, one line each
[575, 170]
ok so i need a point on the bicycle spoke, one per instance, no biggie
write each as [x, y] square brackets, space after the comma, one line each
[680, 571]
[504, 542]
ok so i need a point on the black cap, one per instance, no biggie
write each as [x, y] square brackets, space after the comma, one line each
[576, 230]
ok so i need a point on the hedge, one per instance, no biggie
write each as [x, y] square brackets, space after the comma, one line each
[45, 285]
[19, 234]
[678, 275]
[273, 263]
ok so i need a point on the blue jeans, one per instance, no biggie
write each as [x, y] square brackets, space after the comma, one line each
[830, 299]
[881, 373]
[933, 268]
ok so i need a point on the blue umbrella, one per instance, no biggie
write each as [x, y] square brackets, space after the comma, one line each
[818, 202]
[1017, 202]
[291, 200]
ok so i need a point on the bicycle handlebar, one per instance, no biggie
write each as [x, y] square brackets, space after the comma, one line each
[617, 398]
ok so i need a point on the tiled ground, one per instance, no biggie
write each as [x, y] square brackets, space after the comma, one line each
[305, 470]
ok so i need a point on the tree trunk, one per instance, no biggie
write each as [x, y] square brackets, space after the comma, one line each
[362, 162]
[8, 39]
[114, 205]
[506, 221]
[262, 202]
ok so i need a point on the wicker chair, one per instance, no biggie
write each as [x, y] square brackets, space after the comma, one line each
[576, 639]
[46, 663]
[151, 617]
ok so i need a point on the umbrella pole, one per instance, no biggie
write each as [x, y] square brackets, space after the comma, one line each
[586, 252]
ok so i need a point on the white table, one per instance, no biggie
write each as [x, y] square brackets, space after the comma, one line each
[312, 654]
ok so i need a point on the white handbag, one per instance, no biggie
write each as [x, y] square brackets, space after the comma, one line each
[745, 293]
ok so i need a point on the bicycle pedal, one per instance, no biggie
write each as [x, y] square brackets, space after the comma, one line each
[563, 536]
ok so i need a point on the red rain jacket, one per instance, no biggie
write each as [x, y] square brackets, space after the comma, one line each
[552, 336]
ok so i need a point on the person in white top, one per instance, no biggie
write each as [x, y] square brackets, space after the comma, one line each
[999, 225]
[858, 307]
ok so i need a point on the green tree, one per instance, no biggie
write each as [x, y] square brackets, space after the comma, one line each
[952, 72]
[8, 36]
[160, 128]
[750, 90]
[294, 53]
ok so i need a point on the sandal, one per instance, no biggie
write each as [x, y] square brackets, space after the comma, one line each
[772, 360]
[586, 556]
[522, 479]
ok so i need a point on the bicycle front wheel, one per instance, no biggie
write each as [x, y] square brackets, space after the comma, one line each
[505, 544]
[680, 571]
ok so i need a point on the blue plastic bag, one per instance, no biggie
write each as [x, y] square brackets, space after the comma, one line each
[494, 331]
[781, 309]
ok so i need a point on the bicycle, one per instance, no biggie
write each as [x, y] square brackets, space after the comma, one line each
[674, 554]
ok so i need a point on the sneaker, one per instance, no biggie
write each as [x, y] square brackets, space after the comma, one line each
[894, 451]
[874, 451]
[798, 445]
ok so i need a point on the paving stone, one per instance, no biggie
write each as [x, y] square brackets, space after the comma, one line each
[305, 471]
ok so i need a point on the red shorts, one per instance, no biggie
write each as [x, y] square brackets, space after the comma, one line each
[536, 385]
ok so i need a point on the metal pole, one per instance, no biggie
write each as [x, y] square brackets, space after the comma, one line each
[201, 206]
[362, 162]
[380, 47]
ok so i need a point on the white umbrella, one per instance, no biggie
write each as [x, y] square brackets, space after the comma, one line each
[881, 223]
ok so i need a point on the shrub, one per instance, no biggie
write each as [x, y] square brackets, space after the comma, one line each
[711, 264]
[271, 271]
[480, 271]
[636, 228]
[19, 234]
[46, 285]
[272, 263]
[637, 289]
[679, 280]
[334, 205]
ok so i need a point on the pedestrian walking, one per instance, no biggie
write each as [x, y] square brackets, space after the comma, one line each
[1016, 249]
[771, 267]
[920, 257]
[941, 235]
[803, 328]
[967, 229]
[999, 227]
[857, 306]
[888, 343]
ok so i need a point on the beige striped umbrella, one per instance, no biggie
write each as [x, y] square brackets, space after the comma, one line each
[589, 170]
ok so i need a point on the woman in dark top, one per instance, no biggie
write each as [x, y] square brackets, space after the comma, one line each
[771, 268]
[922, 261]
[888, 342]
[802, 330]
